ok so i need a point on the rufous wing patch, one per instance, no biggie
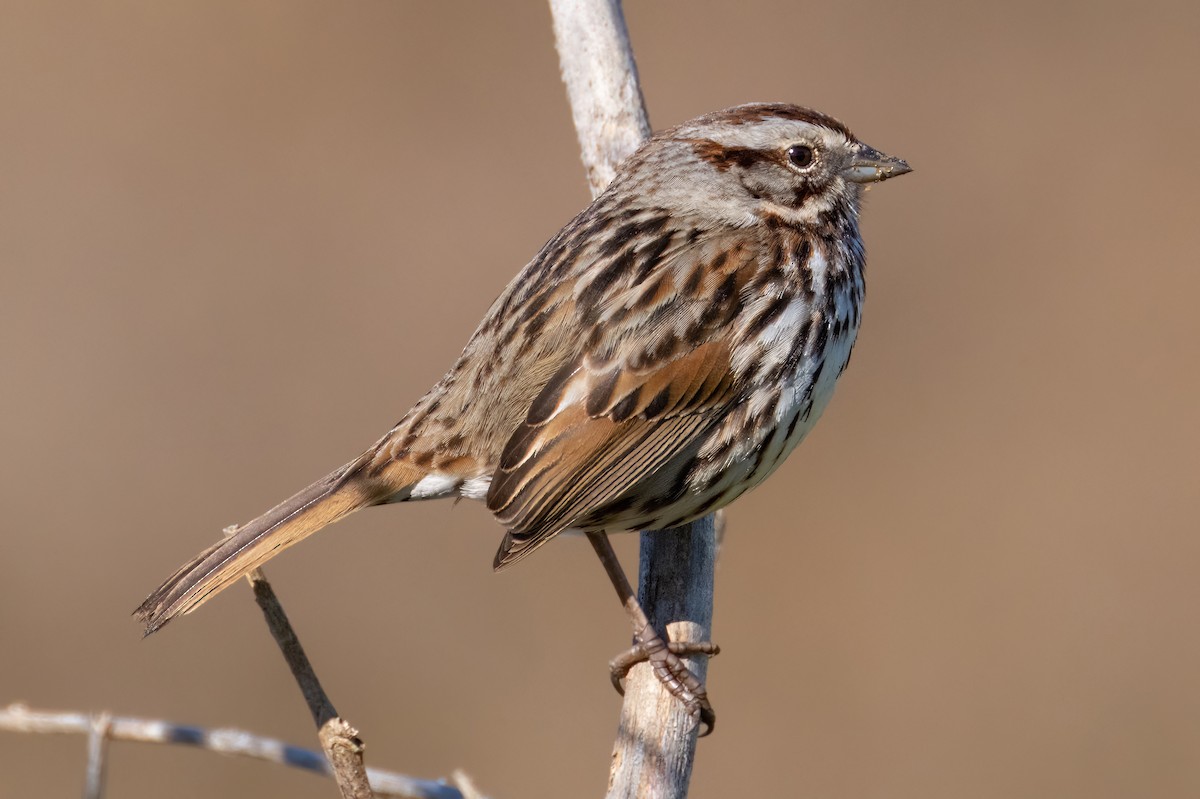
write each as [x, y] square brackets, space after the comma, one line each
[595, 433]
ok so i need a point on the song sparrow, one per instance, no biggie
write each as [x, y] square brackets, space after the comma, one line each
[661, 355]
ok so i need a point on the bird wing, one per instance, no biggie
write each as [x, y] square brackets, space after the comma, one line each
[637, 396]
[594, 433]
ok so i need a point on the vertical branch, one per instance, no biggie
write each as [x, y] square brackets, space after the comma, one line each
[656, 740]
[97, 748]
[602, 84]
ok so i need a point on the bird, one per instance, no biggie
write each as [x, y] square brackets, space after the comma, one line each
[661, 355]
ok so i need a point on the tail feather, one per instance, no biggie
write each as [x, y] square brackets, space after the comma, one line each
[336, 495]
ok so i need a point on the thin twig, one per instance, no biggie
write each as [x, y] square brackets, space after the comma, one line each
[18, 718]
[344, 749]
[318, 702]
[98, 732]
[339, 740]
[656, 741]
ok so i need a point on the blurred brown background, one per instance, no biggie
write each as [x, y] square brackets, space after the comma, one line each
[232, 254]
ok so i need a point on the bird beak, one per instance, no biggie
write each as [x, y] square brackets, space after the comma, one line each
[870, 166]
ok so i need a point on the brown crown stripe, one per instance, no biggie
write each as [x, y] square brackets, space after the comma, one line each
[759, 112]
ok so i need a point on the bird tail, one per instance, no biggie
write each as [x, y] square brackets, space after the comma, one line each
[338, 494]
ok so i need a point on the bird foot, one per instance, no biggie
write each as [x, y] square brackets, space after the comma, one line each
[666, 659]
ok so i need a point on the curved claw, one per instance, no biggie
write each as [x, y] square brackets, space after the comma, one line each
[666, 660]
[638, 653]
[707, 716]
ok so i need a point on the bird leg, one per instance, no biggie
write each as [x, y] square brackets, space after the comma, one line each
[664, 658]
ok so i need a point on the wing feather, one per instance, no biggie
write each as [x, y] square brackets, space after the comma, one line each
[654, 375]
[617, 427]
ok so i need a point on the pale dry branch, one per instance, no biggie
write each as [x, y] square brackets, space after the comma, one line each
[344, 749]
[19, 718]
[602, 84]
[656, 739]
[97, 765]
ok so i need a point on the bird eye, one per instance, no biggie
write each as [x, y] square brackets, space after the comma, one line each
[801, 155]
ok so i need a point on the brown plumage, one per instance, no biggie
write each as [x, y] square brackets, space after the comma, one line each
[662, 354]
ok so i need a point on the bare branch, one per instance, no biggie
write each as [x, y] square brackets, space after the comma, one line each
[656, 741]
[345, 752]
[93, 787]
[18, 718]
[602, 84]
[319, 706]
[339, 740]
